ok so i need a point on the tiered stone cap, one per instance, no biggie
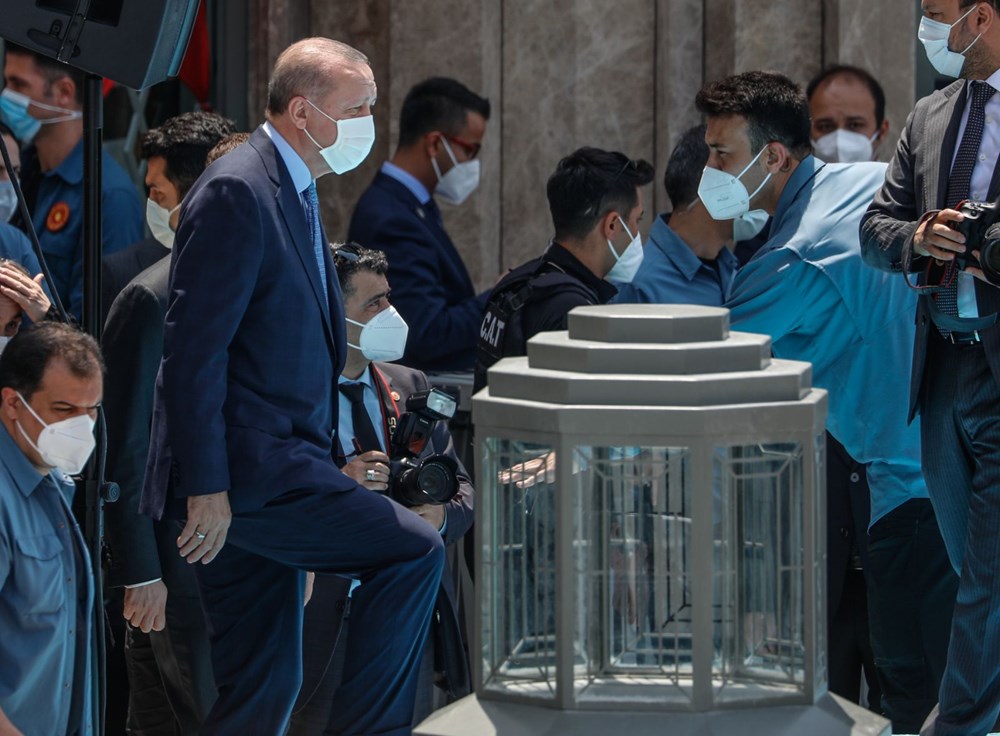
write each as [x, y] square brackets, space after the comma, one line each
[649, 355]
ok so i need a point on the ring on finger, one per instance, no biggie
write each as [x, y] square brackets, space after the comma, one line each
[199, 535]
[370, 474]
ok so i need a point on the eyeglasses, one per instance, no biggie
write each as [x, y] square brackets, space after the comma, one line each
[471, 149]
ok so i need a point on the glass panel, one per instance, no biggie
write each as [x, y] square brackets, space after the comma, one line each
[518, 538]
[759, 576]
[632, 548]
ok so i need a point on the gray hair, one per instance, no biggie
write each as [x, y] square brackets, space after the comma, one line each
[306, 68]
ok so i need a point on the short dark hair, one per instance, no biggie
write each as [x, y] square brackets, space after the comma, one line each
[49, 68]
[772, 104]
[183, 142]
[440, 104]
[590, 183]
[31, 351]
[683, 173]
[349, 258]
[878, 94]
[227, 145]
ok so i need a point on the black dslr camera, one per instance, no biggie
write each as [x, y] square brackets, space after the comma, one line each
[434, 479]
[982, 232]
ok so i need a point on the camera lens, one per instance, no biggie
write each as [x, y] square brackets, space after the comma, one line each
[433, 480]
[438, 481]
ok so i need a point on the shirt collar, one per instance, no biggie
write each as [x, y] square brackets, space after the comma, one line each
[680, 254]
[803, 174]
[301, 176]
[22, 473]
[408, 180]
[365, 378]
[994, 80]
[675, 249]
[71, 168]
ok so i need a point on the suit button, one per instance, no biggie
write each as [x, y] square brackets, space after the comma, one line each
[844, 533]
[855, 477]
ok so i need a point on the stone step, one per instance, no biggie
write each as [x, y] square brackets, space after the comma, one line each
[741, 351]
[649, 323]
[781, 381]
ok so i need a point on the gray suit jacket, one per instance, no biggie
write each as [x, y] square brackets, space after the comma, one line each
[915, 186]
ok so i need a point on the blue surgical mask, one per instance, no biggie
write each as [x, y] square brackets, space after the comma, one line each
[14, 114]
[934, 36]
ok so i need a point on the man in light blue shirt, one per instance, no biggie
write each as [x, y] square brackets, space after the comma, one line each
[809, 289]
[687, 259]
[50, 376]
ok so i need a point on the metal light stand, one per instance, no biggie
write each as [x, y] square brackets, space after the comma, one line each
[91, 484]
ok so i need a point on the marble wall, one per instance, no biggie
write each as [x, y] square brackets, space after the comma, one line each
[566, 73]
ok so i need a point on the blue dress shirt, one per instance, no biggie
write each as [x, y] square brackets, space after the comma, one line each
[46, 597]
[408, 180]
[809, 289]
[58, 219]
[345, 424]
[672, 274]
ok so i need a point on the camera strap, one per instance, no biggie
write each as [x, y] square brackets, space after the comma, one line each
[951, 323]
[387, 399]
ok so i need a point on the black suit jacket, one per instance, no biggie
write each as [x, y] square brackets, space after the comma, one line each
[430, 285]
[915, 187]
[119, 268]
[133, 344]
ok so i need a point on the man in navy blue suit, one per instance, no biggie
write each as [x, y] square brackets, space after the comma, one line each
[245, 417]
[441, 128]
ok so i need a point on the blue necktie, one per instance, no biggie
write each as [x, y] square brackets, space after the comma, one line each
[961, 179]
[316, 229]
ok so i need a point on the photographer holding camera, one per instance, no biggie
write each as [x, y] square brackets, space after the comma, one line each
[917, 224]
[392, 439]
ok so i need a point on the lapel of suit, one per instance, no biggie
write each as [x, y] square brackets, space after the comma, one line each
[942, 125]
[429, 221]
[290, 205]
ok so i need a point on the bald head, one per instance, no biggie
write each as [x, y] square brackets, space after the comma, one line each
[309, 68]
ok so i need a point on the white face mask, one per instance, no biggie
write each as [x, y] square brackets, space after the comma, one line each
[355, 138]
[845, 147]
[460, 181]
[158, 219]
[749, 224]
[627, 264]
[66, 445]
[724, 195]
[934, 36]
[383, 337]
[8, 200]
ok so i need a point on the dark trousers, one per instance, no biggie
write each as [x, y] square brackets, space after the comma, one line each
[324, 638]
[170, 671]
[848, 509]
[911, 593]
[253, 595]
[851, 656]
[960, 425]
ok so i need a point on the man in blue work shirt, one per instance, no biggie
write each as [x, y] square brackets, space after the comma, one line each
[687, 259]
[809, 289]
[42, 104]
[50, 388]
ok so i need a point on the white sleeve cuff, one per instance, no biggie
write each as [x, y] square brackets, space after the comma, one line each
[143, 585]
